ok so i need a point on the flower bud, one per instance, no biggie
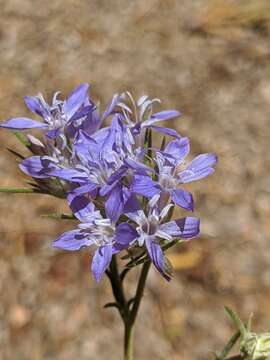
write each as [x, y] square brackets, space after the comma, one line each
[256, 346]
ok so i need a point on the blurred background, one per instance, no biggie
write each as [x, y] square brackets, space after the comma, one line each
[211, 60]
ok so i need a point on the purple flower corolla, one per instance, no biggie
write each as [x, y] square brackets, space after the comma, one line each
[108, 238]
[49, 158]
[60, 116]
[151, 230]
[99, 164]
[173, 172]
[139, 116]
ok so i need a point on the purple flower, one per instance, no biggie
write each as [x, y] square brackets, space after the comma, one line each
[139, 116]
[77, 111]
[102, 170]
[151, 230]
[103, 164]
[108, 238]
[173, 172]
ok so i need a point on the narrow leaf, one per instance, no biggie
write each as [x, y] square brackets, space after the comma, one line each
[228, 346]
[17, 190]
[59, 216]
[22, 138]
[236, 320]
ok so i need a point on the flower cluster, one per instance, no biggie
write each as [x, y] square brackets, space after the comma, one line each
[120, 186]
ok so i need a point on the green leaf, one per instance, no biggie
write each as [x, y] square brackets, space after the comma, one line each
[228, 346]
[236, 320]
[22, 138]
[59, 216]
[17, 190]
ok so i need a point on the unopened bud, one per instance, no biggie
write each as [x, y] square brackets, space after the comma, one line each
[256, 346]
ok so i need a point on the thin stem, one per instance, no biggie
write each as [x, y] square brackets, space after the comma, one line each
[117, 288]
[128, 342]
[129, 324]
[139, 291]
[118, 282]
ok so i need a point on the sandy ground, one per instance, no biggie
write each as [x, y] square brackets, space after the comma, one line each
[211, 61]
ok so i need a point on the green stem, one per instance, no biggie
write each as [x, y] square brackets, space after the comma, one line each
[127, 311]
[139, 291]
[128, 342]
[118, 284]
[117, 288]
[129, 324]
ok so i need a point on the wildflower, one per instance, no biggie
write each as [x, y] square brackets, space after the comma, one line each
[172, 172]
[98, 164]
[101, 170]
[152, 231]
[100, 232]
[139, 116]
[60, 116]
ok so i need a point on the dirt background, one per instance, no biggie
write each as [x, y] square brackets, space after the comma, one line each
[211, 60]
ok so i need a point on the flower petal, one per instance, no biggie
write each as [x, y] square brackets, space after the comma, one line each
[138, 166]
[75, 100]
[183, 198]
[178, 149]
[155, 252]
[33, 166]
[165, 131]
[88, 188]
[132, 204]
[199, 168]
[22, 123]
[101, 261]
[34, 105]
[83, 143]
[145, 186]
[115, 203]
[124, 235]
[161, 116]
[110, 108]
[185, 228]
[72, 240]
[80, 206]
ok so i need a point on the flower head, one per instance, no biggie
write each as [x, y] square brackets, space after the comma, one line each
[60, 118]
[119, 186]
[153, 230]
[100, 232]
